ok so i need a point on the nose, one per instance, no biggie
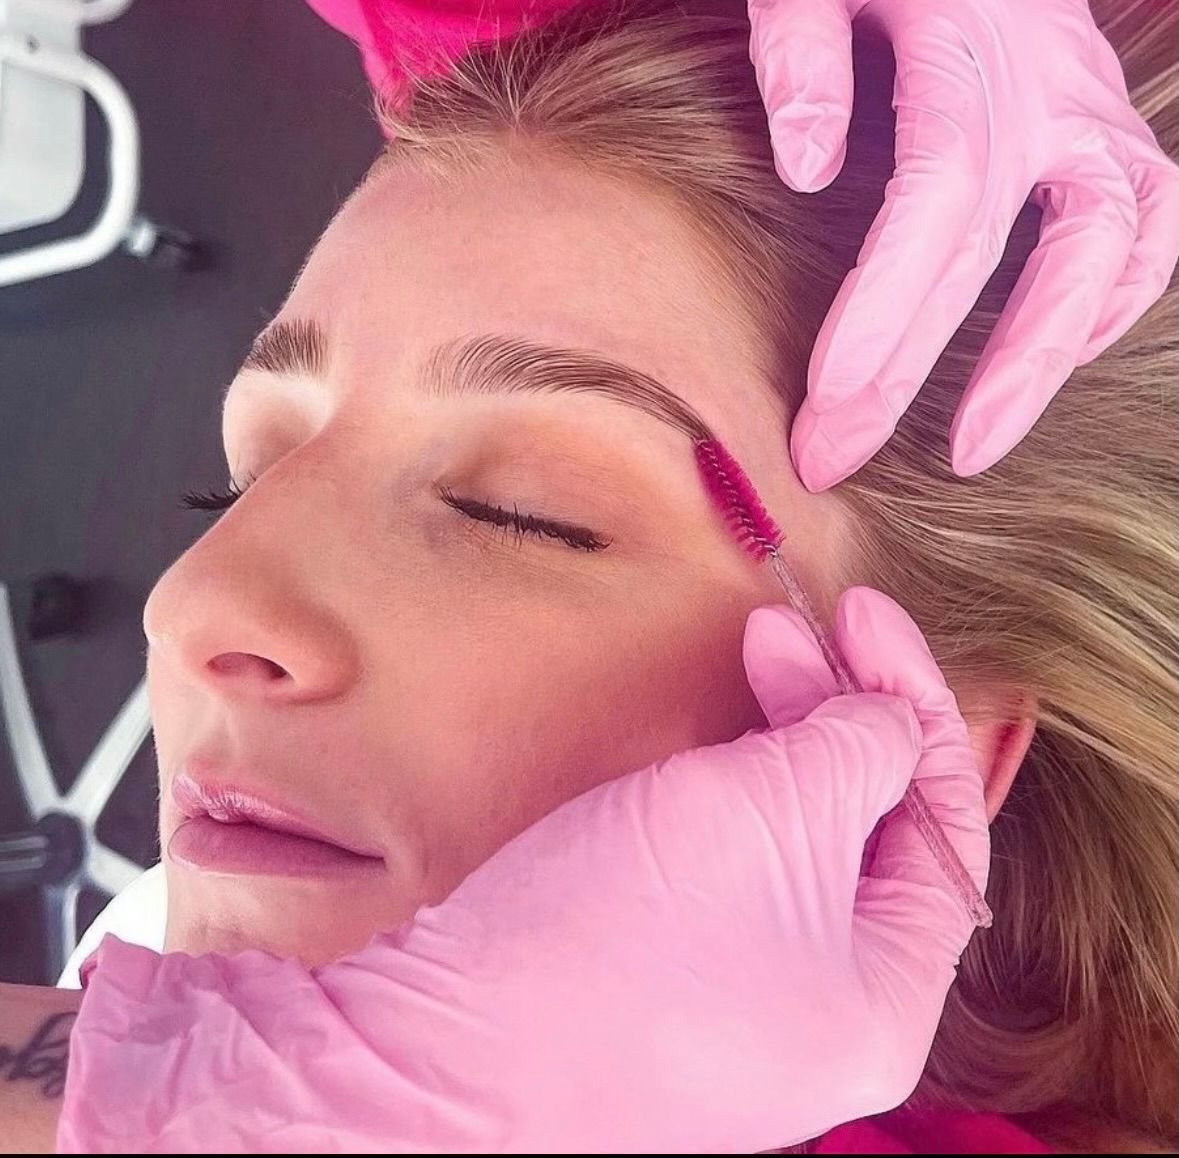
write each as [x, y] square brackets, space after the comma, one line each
[248, 616]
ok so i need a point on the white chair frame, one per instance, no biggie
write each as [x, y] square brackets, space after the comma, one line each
[43, 37]
[101, 867]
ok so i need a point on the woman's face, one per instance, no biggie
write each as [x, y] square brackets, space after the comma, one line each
[354, 644]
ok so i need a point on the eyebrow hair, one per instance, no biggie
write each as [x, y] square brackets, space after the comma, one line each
[500, 364]
[296, 347]
[491, 364]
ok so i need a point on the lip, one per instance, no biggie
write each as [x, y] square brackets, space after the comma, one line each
[228, 830]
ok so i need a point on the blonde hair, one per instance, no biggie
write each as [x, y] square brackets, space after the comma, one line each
[1054, 574]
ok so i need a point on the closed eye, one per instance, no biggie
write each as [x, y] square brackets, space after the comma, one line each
[515, 520]
[580, 538]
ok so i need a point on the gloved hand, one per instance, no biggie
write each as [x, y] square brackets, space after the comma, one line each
[683, 959]
[995, 100]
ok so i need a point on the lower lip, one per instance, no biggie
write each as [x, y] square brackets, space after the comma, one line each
[244, 849]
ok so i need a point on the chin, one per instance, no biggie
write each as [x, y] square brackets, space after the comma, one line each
[314, 925]
[227, 940]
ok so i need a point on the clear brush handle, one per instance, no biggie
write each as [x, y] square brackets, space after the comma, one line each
[915, 803]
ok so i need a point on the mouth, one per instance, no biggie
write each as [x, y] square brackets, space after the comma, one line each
[226, 831]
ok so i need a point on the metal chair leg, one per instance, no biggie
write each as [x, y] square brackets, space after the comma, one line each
[60, 852]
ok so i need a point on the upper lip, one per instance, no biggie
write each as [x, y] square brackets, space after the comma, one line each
[230, 804]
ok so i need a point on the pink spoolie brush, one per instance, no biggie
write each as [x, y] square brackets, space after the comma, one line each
[756, 531]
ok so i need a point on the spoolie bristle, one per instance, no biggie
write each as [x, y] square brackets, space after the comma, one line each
[737, 501]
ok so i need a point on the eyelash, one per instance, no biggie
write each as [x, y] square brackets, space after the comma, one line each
[213, 500]
[522, 525]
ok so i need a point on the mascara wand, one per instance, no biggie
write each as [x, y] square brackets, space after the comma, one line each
[756, 531]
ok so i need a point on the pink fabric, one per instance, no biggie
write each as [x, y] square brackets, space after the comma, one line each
[393, 34]
[925, 1131]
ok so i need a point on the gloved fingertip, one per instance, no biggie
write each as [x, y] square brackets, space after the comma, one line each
[778, 635]
[1003, 402]
[784, 665]
[968, 459]
[822, 459]
[875, 621]
[858, 606]
[887, 651]
[807, 156]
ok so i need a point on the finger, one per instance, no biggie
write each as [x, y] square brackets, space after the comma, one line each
[855, 756]
[930, 249]
[788, 809]
[801, 53]
[1152, 257]
[827, 448]
[791, 679]
[887, 652]
[785, 667]
[837, 773]
[1089, 225]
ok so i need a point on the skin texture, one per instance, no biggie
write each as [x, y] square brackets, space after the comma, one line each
[346, 644]
[35, 1023]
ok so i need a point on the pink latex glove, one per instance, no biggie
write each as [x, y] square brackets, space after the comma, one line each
[683, 959]
[996, 100]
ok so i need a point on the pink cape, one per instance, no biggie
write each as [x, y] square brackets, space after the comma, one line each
[425, 34]
[928, 1131]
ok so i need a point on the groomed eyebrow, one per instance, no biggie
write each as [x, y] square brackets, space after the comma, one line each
[494, 364]
[499, 364]
[296, 347]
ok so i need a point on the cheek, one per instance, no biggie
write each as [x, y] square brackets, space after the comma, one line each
[524, 715]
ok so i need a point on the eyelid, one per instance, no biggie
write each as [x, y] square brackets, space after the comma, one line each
[524, 523]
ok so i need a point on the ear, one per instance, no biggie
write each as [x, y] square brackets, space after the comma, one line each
[1000, 742]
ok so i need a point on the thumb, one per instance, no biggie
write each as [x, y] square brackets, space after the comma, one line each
[784, 665]
[802, 54]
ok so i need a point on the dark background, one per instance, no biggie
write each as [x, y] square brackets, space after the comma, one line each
[255, 123]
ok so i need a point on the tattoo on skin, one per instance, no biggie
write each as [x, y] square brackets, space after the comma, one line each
[42, 1058]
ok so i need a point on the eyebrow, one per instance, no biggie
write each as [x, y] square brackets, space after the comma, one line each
[296, 347]
[494, 364]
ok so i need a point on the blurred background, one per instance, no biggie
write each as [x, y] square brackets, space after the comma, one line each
[254, 124]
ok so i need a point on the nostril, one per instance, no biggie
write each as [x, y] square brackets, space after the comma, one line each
[241, 663]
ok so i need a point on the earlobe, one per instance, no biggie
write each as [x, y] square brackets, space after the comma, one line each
[1000, 747]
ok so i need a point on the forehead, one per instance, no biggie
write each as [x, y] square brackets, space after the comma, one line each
[538, 248]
